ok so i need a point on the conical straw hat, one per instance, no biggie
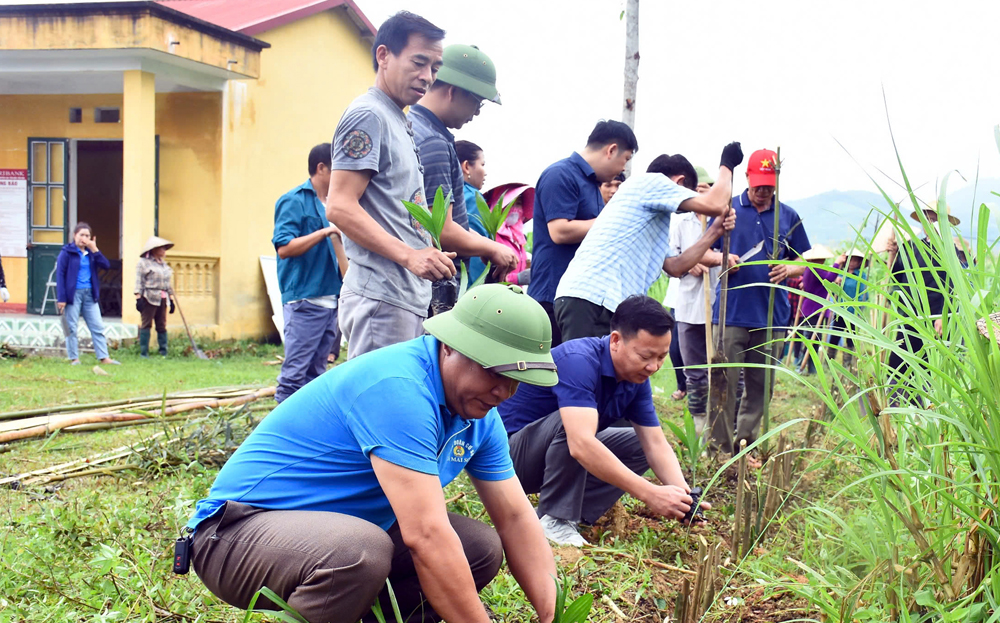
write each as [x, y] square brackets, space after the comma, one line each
[932, 207]
[992, 319]
[153, 243]
[855, 252]
[818, 252]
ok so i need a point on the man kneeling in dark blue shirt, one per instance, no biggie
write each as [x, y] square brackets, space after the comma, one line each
[563, 439]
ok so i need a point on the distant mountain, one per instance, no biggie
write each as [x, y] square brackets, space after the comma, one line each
[836, 215]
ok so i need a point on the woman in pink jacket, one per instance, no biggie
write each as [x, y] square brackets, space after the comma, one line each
[511, 233]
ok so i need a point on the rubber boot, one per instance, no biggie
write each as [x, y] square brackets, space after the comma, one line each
[161, 339]
[144, 343]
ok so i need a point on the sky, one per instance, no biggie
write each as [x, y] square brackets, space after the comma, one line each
[799, 75]
[821, 80]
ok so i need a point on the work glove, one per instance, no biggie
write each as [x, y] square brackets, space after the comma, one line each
[140, 304]
[523, 278]
[4, 294]
[732, 156]
[171, 306]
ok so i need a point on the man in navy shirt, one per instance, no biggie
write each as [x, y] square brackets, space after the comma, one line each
[466, 79]
[562, 439]
[340, 487]
[747, 305]
[311, 264]
[567, 200]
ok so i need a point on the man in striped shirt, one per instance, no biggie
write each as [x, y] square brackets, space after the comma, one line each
[627, 246]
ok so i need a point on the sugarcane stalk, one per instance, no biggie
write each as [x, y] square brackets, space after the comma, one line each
[107, 471]
[681, 607]
[740, 501]
[769, 348]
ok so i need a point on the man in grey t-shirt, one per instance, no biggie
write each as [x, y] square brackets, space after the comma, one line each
[387, 288]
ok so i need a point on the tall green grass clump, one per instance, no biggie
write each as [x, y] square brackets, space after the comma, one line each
[912, 533]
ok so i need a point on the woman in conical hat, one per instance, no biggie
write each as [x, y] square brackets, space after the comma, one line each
[153, 293]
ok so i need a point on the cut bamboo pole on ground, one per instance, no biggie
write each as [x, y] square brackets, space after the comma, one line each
[223, 391]
[32, 428]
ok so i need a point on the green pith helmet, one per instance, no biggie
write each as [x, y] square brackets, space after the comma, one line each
[466, 67]
[703, 176]
[502, 329]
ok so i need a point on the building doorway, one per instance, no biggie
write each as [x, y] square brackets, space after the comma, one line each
[96, 198]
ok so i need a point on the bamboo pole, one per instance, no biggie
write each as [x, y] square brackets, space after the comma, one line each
[55, 423]
[204, 392]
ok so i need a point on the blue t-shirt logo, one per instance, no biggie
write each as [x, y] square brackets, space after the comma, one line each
[461, 452]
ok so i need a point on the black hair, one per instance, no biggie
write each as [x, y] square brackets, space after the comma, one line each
[320, 154]
[394, 33]
[675, 165]
[467, 151]
[641, 313]
[607, 132]
[81, 225]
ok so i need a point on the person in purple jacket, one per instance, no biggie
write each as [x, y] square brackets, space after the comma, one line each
[814, 282]
[78, 290]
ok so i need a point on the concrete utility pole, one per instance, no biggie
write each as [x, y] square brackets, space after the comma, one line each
[631, 66]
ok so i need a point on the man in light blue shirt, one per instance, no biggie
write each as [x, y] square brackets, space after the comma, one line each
[627, 246]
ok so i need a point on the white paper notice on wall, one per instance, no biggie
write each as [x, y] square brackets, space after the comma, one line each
[13, 212]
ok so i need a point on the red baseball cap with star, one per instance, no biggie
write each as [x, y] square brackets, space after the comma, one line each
[761, 170]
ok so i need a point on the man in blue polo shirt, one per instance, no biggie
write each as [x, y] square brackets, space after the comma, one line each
[746, 313]
[562, 439]
[339, 488]
[466, 79]
[567, 200]
[309, 275]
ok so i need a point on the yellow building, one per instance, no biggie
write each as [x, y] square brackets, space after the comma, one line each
[184, 118]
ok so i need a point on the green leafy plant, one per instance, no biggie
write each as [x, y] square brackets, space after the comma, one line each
[287, 613]
[432, 219]
[576, 612]
[377, 606]
[693, 442]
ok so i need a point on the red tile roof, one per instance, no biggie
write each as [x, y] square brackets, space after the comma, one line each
[252, 18]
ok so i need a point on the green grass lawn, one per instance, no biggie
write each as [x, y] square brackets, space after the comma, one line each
[99, 548]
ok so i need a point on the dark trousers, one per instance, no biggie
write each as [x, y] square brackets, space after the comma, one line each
[310, 332]
[556, 334]
[154, 313]
[691, 341]
[329, 567]
[580, 318]
[677, 360]
[903, 389]
[543, 464]
[743, 345]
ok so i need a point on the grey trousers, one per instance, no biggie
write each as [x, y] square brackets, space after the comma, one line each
[369, 324]
[744, 345]
[328, 567]
[566, 491]
[691, 338]
[310, 332]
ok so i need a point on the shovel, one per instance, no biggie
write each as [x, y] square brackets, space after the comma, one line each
[718, 383]
[197, 351]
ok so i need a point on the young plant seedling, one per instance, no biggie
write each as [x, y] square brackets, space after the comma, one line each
[576, 612]
[432, 220]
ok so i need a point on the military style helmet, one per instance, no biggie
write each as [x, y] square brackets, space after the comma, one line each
[502, 329]
[466, 67]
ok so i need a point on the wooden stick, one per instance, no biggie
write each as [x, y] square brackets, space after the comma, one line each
[740, 495]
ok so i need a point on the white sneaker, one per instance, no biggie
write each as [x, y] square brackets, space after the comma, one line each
[561, 531]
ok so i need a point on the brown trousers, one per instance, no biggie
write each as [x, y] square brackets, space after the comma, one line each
[329, 567]
[156, 313]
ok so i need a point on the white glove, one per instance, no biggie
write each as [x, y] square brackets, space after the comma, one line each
[4, 294]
